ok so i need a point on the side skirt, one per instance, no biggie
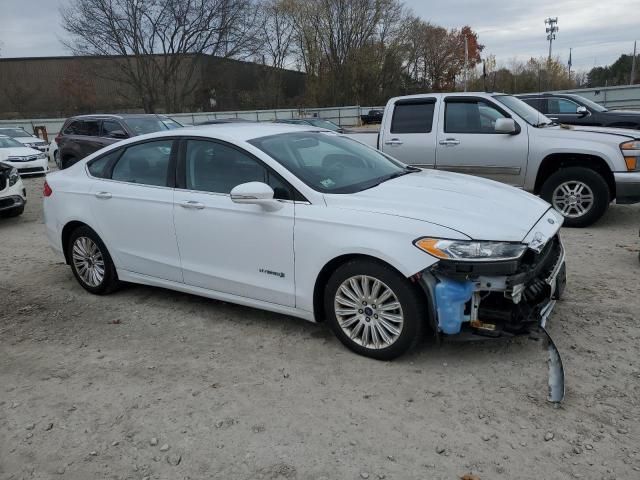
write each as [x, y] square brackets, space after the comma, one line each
[133, 277]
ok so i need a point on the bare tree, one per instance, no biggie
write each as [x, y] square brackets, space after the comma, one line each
[159, 44]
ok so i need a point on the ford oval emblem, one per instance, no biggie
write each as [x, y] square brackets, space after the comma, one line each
[551, 221]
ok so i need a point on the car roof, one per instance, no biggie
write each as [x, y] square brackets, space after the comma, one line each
[119, 116]
[246, 131]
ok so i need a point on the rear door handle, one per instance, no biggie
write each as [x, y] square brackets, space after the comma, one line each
[193, 205]
[103, 195]
[393, 141]
[449, 142]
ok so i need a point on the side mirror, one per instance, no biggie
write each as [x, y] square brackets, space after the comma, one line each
[255, 193]
[118, 134]
[582, 111]
[506, 125]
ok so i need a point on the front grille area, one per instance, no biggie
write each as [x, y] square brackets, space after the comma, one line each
[31, 170]
[30, 158]
[6, 202]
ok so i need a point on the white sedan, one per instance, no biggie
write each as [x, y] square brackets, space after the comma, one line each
[27, 160]
[13, 195]
[313, 224]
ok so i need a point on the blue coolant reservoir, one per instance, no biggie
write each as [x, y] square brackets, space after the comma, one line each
[451, 295]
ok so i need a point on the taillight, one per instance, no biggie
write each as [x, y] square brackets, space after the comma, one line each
[57, 139]
[46, 190]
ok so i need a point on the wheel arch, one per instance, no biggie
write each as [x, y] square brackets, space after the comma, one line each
[557, 161]
[67, 230]
[325, 273]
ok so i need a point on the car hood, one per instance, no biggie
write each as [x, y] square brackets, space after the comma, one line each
[480, 209]
[634, 113]
[26, 140]
[622, 132]
[21, 151]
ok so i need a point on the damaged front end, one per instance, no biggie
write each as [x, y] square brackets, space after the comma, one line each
[503, 298]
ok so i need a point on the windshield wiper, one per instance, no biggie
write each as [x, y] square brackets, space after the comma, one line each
[406, 171]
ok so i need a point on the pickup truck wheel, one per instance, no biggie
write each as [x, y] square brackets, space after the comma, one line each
[373, 310]
[580, 194]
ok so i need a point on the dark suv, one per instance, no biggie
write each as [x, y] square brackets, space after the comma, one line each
[82, 135]
[576, 110]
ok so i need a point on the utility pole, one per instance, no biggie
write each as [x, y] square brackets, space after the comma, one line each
[466, 61]
[633, 65]
[570, 63]
[552, 28]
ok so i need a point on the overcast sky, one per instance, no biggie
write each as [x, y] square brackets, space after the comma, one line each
[597, 30]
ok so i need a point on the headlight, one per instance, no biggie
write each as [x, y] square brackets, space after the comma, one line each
[631, 159]
[13, 177]
[41, 156]
[470, 250]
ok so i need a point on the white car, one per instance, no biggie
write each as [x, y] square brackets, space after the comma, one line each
[13, 195]
[313, 224]
[52, 153]
[25, 138]
[27, 160]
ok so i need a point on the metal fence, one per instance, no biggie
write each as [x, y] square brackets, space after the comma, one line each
[343, 116]
[611, 97]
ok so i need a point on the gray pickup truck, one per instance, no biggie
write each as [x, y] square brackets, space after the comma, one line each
[579, 170]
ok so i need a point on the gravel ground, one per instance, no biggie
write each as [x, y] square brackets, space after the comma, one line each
[149, 383]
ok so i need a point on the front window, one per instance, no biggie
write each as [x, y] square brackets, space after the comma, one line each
[591, 105]
[527, 112]
[561, 105]
[8, 142]
[330, 163]
[470, 116]
[14, 132]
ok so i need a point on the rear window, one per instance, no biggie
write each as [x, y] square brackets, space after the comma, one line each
[412, 117]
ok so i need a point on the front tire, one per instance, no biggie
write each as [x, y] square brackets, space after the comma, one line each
[90, 262]
[373, 310]
[580, 194]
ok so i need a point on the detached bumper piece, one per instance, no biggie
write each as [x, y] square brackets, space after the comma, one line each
[493, 299]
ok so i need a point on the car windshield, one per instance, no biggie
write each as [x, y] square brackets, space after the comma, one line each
[8, 142]
[527, 112]
[320, 123]
[331, 163]
[141, 125]
[14, 132]
[588, 103]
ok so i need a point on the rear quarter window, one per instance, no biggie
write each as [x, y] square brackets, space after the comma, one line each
[412, 117]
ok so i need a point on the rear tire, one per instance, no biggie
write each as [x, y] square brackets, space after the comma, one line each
[91, 263]
[374, 310]
[580, 194]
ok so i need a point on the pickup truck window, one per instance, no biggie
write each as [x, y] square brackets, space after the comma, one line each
[470, 116]
[413, 116]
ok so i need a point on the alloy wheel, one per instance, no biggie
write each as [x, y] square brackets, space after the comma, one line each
[573, 198]
[368, 312]
[88, 261]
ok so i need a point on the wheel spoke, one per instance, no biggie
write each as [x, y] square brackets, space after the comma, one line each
[368, 312]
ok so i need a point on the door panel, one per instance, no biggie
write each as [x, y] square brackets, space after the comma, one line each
[412, 137]
[468, 143]
[239, 249]
[135, 214]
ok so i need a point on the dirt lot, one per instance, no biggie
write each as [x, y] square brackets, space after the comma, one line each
[148, 383]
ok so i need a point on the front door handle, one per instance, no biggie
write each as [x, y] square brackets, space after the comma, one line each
[191, 204]
[449, 142]
[103, 195]
[393, 141]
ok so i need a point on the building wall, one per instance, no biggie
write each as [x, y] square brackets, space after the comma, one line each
[63, 86]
